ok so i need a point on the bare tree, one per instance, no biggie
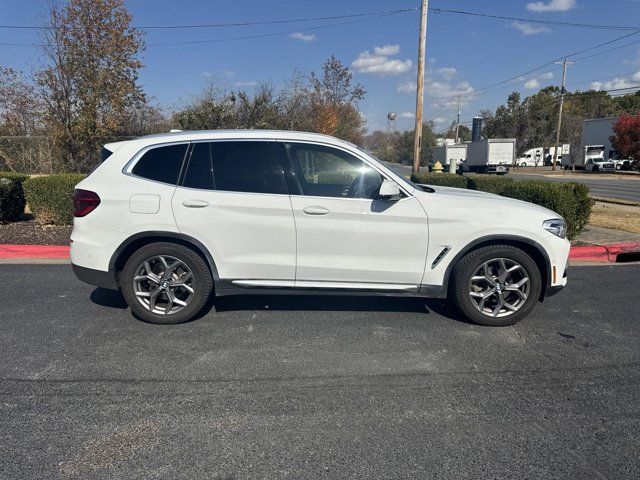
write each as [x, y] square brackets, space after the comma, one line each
[20, 106]
[91, 77]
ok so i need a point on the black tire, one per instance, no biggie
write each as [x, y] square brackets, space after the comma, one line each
[467, 266]
[595, 169]
[203, 282]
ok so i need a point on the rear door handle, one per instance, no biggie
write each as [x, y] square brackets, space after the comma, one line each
[315, 210]
[195, 203]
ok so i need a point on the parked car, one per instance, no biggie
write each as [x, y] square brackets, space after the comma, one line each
[621, 164]
[173, 219]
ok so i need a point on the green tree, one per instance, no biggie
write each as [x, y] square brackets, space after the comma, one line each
[629, 104]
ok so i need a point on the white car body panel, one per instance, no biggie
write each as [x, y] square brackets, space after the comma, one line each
[346, 243]
[268, 240]
[249, 235]
[487, 215]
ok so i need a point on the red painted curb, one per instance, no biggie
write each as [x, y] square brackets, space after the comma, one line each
[34, 251]
[603, 253]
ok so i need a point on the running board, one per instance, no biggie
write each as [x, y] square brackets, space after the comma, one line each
[303, 284]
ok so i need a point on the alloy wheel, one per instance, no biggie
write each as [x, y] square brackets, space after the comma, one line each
[163, 284]
[499, 287]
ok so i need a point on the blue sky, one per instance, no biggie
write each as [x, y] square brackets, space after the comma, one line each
[464, 53]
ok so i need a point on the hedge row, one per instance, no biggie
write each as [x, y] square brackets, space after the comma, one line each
[570, 200]
[12, 200]
[50, 198]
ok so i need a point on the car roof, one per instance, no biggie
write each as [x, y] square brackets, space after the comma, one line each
[194, 135]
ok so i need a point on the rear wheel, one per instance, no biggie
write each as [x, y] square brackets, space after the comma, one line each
[496, 285]
[166, 283]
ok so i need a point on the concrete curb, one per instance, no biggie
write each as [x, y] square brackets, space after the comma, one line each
[34, 251]
[596, 253]
[602, 253]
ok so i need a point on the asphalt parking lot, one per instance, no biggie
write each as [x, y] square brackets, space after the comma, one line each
[318, 387]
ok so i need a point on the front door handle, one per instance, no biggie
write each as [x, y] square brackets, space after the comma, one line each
[195, 203]
[315, 210]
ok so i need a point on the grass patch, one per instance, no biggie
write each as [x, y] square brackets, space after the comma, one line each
[616, 217]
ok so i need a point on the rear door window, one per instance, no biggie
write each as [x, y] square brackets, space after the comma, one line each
[247, 166]
[161, 164]
[199, 172]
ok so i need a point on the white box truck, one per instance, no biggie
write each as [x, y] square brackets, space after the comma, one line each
[590, 158]
[563, 152]
[494, 155]
[531, 158]
[446, 153]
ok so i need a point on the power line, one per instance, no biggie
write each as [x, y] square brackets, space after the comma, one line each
[238, 24]
[607, 50]
[598, 93]
[266, 35]
[534, 20]
[619, 75]
[244, 37]
[539, 67]
[361, 14]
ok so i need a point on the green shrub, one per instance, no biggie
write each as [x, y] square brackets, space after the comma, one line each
[50, 198]
[489, 183]
[440, 179]
[570, 200]
[12, 201]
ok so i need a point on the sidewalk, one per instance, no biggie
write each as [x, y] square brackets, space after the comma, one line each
[597, 244]
[605, 236]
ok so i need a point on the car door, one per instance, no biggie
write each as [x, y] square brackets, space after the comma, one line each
[345, 234]
[589, 165]
[233, 198]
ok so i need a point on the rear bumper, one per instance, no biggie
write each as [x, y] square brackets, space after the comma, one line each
[97, 278]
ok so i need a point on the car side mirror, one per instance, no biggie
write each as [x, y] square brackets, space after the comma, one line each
[389, 191]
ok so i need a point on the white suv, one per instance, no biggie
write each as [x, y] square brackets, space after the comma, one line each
[172, 219]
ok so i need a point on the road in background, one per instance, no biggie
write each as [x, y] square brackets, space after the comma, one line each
[317, 387]
[599, 185]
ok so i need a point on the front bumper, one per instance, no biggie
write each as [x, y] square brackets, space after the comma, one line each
[555, 289]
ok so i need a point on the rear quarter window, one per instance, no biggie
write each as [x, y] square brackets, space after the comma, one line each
[161, 164]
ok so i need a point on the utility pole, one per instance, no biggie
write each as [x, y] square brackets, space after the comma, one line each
[458, 122]
[422, 43]
[564, 64]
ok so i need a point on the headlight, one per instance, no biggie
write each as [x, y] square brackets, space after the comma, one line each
[557, 226]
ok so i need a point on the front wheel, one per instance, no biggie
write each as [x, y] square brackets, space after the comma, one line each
[497, 285]
[166, 283]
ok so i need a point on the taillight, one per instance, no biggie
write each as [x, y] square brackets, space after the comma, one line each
[84, 202]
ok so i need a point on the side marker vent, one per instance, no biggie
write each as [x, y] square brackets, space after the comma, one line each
[440, 256]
